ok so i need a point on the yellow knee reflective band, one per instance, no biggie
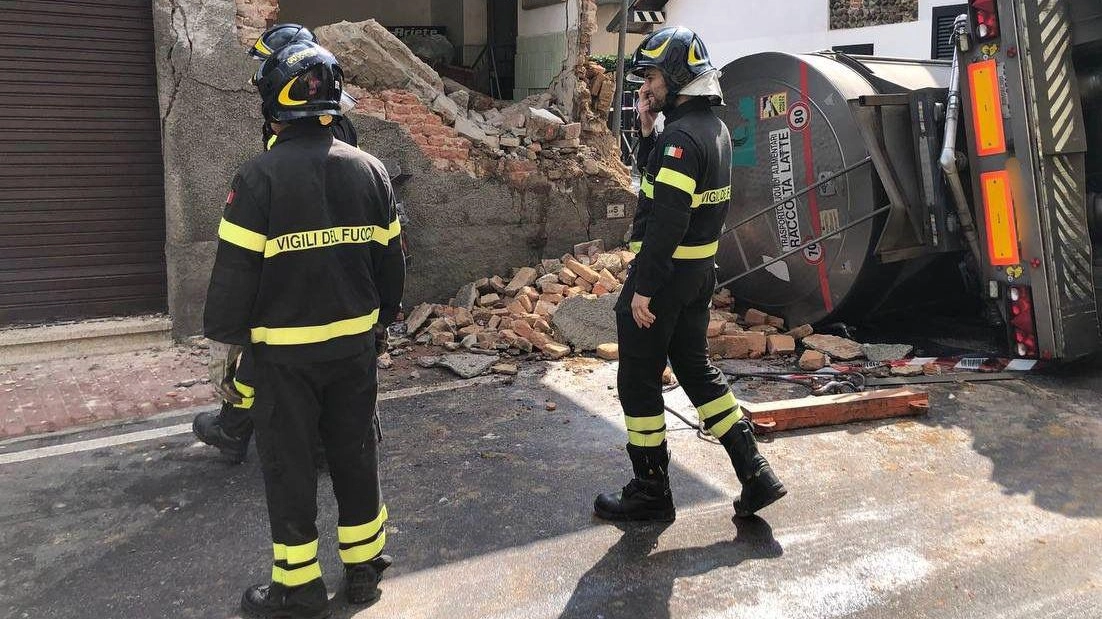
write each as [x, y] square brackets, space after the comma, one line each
[242, 237]
[285, 336]
[646, 187]
[645, 424]
[296, 554]
[712, 196]
[646, 440]
[635, 246]
[328, 237]
[695, 252]
[360, 532]
[723, 403]
[296, 577]
[675, 179]
[363, 552]
[726, 423]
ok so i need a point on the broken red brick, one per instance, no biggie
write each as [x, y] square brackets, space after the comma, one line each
[812, 360]
[582, 270]
[715, 328]
[780, 345]
[755, 317]
[755, 342]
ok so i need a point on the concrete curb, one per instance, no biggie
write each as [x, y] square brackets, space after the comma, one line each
[92, 337]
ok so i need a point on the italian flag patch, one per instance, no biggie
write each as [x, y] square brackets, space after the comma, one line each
[674, 151]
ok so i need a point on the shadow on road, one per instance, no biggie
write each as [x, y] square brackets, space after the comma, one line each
[633, 581]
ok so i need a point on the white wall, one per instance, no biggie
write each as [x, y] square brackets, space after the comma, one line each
[605, 42]
[735, 28]
[547, 19]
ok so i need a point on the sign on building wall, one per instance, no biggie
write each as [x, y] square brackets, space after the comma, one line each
[417, 31]
[861, 13]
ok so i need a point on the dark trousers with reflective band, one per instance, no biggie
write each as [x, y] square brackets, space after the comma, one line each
[294, 405]
[679, 334]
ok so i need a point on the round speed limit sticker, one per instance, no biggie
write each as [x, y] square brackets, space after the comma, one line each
[799, 116]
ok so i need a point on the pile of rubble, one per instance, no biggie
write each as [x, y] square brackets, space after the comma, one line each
[459, 129]
[550, 309]
[566, 305]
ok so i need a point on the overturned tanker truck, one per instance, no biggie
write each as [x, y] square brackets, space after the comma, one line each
[850, 173]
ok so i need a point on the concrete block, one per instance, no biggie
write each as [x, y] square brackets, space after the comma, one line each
[608, 352]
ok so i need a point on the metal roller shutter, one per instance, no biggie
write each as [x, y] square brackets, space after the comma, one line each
[82, 228]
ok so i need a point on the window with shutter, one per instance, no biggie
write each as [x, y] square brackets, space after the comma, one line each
[941, 45]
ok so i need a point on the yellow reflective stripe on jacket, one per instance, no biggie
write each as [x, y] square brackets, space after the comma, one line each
[271, 142]
[676, 179]
[723, 403]
[725, 424]
[247, 395]
[360, 532]
[312, 239]
[711, 197]
[242, 237]
[294, 555]
[363, 552]
[695, 252]
[284, 336]
[706, 198]
[297, 577]
[683, 252]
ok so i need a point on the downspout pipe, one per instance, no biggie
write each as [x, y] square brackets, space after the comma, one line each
[948, 159]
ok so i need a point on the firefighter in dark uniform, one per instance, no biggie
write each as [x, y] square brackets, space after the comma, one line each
[663, 310]
[231, 428]
[308, 265]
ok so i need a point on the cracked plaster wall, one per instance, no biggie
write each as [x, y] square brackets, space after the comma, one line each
[460, 228]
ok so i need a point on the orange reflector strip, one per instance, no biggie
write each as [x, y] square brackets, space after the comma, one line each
[987, 112]
[998, 208]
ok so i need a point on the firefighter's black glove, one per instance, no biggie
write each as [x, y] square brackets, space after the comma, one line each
[223, 361]
[382, 340]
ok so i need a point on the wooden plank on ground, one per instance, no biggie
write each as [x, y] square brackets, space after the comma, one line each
[834, 409]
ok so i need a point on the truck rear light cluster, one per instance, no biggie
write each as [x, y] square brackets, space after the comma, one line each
[985, 19]
[1021, 321]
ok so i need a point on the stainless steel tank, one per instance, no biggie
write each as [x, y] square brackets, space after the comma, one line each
[791, 125]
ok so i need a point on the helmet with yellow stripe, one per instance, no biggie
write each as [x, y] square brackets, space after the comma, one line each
[277, 36]
[678, 53]
[300, 80]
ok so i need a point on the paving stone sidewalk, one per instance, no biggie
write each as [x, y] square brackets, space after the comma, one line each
[48, 396]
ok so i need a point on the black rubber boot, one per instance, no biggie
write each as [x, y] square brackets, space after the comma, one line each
[207, 427]
[760, 485]
[276, 601]
[647, 497]
[361, 581]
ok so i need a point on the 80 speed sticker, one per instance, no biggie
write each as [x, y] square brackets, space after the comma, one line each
[799, 115]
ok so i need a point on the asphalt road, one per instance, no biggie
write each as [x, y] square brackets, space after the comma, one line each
[989, 506]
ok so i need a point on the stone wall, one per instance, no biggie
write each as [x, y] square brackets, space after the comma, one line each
[862, 13]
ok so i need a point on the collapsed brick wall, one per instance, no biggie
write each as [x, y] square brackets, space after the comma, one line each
[253, 17]
[440, 143]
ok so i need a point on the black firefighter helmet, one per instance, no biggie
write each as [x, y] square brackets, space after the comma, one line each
[300, 80]
[277, 36]
[677, 52]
